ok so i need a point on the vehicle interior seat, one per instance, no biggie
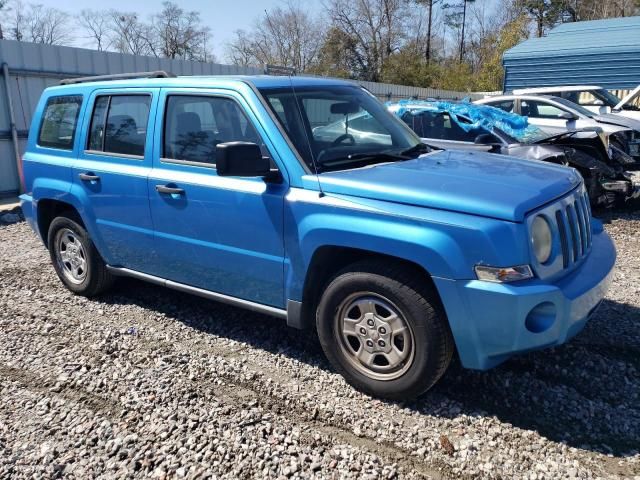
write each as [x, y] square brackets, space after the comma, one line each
[122, 136]
[190, 141]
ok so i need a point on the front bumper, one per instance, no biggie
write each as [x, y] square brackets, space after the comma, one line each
[492, 321]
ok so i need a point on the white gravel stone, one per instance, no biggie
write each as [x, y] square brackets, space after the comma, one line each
[146, 382]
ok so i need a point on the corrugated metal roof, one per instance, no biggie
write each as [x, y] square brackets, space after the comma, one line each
[598, 52]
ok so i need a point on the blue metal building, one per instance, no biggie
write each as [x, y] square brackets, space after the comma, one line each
[598, 52]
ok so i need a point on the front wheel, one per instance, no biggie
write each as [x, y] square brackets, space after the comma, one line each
[383, 330]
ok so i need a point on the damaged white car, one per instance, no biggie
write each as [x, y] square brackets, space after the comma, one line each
[597, 99]
[557, 115]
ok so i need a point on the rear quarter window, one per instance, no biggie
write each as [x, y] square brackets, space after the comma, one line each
[59, 122]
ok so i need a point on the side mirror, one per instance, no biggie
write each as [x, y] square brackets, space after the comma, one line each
[597, 102]
[567, 116]
[487, 139]
[241, 159]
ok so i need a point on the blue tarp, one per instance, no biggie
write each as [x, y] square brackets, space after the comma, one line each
[473, 116]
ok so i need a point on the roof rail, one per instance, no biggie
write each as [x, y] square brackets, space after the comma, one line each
[118, 76]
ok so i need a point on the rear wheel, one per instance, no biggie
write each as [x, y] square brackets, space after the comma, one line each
[75, 258]
[384, 331]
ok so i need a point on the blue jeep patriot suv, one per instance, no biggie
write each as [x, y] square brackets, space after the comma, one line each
[397, 253]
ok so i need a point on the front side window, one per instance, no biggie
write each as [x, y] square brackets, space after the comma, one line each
[339, 127]
[195, 125]
[119, 124]
[59, 122]
[535, 109]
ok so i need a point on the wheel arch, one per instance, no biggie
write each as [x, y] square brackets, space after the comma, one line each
[48, 209]
[328, 260]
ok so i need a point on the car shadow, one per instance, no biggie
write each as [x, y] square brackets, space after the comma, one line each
[584, 394]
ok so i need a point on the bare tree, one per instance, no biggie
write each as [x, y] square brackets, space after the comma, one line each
[180, 34]
[38, 24]
[285, 36]
[128, 34]
[376, 26]
[97, 25]
[429, 5]
[3, 10]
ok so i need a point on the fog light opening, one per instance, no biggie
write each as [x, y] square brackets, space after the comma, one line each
[541, 317]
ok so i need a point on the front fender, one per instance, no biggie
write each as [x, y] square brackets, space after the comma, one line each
[445, 244]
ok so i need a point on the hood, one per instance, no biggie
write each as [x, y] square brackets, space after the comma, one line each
[619, 120]
[476, 183]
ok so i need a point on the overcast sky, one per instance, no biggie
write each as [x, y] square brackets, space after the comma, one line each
[222, 16]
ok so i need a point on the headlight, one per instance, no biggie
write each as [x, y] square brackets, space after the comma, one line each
[541, 240]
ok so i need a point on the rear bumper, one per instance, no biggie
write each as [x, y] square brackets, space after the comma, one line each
[26, 204]
[492, 321]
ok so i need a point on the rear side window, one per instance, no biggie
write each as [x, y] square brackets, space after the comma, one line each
[119, 124]
[506, 105]
[439, 125]
[195, 125]
[59, 121]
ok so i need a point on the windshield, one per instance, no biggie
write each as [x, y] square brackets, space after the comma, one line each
[340, 127]
[608, 98]
[574, 106]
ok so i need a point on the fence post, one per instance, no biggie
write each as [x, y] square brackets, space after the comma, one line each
[12, 125]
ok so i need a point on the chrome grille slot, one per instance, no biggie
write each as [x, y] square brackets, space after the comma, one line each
[587, 215]
[564, 243]
[573, 227]
[584, 221]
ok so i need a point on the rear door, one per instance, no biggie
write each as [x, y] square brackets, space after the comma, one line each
[223, 234]
[112, 170]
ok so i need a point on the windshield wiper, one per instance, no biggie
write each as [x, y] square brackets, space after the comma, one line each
[417, 148]
[375, 156]
[379, 157]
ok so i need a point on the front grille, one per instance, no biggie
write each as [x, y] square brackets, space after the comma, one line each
[573, 218]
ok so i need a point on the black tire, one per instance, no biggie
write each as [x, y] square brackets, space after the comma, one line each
[420, 308]
[95, 279]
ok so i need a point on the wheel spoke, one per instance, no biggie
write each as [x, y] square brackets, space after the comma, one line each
[366, 306]
[395, 322]
[400, 332]
[394, 357]
[366, 357]
[349, 327]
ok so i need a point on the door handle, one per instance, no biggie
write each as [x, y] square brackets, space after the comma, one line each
[169, 190]
[89, 177]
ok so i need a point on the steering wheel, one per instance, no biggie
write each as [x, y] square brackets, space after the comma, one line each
[342, 138]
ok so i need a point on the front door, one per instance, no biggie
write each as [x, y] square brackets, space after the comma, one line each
[223, 234]
[112, 170]
[548, 117]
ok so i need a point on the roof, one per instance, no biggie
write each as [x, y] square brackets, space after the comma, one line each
[598, 52]
[259, 81]
[562, 88]
[597, 36]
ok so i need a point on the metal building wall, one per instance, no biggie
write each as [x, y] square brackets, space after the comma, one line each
[599, 52]
[33, 67]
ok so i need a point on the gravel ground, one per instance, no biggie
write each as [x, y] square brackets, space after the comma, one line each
[150, 382]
